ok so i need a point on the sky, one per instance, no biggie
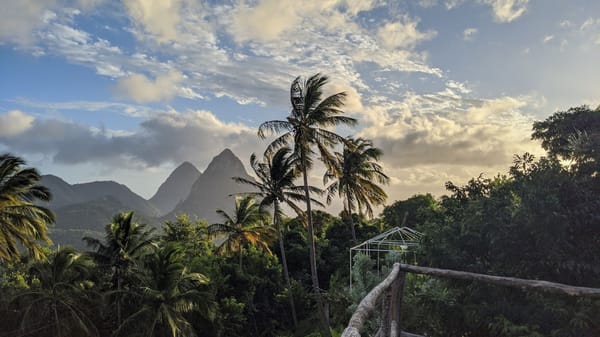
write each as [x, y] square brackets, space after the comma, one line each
[448, 89]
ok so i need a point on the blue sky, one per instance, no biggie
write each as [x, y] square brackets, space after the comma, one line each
[127, 90]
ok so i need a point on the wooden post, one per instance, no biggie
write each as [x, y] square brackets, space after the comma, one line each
[397, 292]
[386, 314]
[367, 305]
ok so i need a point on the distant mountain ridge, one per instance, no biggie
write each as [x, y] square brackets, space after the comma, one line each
[87, 207]
[65, 194]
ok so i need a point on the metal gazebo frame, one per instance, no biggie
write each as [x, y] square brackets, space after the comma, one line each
[397, 239]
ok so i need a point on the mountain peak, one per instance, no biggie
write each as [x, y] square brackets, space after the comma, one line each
[185, 166]
[176, 188]
[213, 188]
[225, 162]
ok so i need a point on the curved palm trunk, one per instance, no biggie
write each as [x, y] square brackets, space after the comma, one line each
[286, 273]
[313, 254]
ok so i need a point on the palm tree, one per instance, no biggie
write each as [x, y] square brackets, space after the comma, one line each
[125, 241]
[168, 291]
[21, 221]
[245, 227]
[355, 175]
[276, 174]
[307, 127]
[61, 291]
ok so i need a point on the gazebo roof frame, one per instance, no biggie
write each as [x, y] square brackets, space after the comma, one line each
[397, 239]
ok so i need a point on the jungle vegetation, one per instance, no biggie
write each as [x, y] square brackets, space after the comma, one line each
[264, 272]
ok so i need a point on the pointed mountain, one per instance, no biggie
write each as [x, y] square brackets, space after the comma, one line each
[213, 188]
[176, 188]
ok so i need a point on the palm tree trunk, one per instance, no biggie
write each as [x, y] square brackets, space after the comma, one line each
[286, 273]
[240, 249]
[119, 315]
[56, 320]
[348, 209]
[313, 254]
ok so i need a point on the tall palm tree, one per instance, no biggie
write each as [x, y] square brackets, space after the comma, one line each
[21, 221]
[245, 227]
[168, 291]
[276, 174]
[60, 294]
[125, 241]
[307, 127]
[355, 175]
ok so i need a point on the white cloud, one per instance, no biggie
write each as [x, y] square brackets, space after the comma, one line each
[451, 4]
[159, 18]
[402, 34]
[427, 3]
[19, 19]
[507, 10]
[565, 24]
[91, 106]
[266, 21]
[548, 38]
[469, 34]
[589, 23]
[353, 101]
[142, 90]
[14, 122]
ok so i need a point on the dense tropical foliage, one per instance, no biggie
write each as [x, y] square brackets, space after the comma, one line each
[22, 222]
[538, 220]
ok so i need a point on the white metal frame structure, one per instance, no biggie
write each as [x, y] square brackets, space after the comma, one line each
[398, 239]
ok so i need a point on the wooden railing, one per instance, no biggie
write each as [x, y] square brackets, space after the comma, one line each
[387, 295]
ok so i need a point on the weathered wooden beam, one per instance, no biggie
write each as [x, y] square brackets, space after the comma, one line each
[408, 334]
[551, 287]
[397, 293]
[367, 306]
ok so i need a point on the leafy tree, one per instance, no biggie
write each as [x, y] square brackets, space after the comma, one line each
[276, 175]
[245, 227]
[166, 293]
[355, 174]
[124, 242]
[410, 212]
[572, 135]
[306, 128]
[22, 222]
[193, 236]
[60, 289]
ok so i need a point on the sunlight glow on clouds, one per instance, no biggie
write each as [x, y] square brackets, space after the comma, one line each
[142, 90]
[402, 34]
[159, 18]
[18, 19]
[14, 122]
[445, 99]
